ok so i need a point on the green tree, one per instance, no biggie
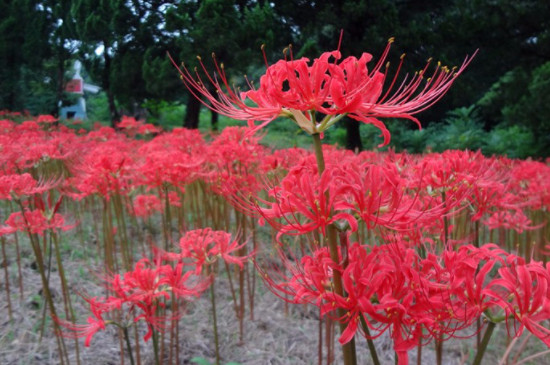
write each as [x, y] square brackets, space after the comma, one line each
[232, 31]
[22, 48]
[102, 25]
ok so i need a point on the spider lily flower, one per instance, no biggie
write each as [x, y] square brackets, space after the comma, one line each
[205, 246]
[304, 202]
[20, 185]
[88, 331]
[523, 292]
[145, 205]
[138, 294]
[298, 89]
[34, 222]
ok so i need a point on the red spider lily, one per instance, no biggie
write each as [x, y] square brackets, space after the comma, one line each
[297, 89]
[304, 202]
[177, 280]
[144, 284]
[94, 325]
[174, 158]
[523, 292]
[96, 322]
[133, 127]
[378, 196]
[235, 157]
[139, 293]
[305, 280]
[205, 246]
[516, 220]
[20, 185]
[396, 290]
[145, 205]
[530, 181]
[34, 222]
[46, 119]
[106, 168]
[25, 146]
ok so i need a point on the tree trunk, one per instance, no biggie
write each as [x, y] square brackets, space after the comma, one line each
[191, 119]
[115, 117]
[60, 82]
[353, 138]
[214, 120]
[214, 117]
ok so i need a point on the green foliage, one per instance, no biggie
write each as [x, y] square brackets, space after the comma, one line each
[97, 107]
[462, 130]
[520, 98]
[513, 141]
[532, 109]
[283, 133]
[506, 91]
[163, 113]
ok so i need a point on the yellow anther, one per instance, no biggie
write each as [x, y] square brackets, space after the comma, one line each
[199, 58]
[403, 55]
[430, 59]
[391, 40]
[262, 47]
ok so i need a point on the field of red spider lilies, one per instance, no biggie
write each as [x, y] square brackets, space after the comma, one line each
[121, 233]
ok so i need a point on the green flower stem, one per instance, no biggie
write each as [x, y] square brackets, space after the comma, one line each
[69, 312]
[318, 147]
[370, 342]
[128, 345]
[348, 348]
[155, 345]
[484, 342]
[38, 255]
[215, 322]
[328, 122]
[7, 278]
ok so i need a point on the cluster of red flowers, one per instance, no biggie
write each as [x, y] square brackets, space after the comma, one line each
[425, 282]
[137, 295]
[140, 293]
[393, 288]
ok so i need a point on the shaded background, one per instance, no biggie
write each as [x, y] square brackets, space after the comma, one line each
[501, 104]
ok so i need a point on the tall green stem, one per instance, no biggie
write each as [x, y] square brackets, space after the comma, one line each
[155, 345]
[215, 322]
[484, 342]
[7, 278]
[128, 345]
[370, 342]
[348, 348]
